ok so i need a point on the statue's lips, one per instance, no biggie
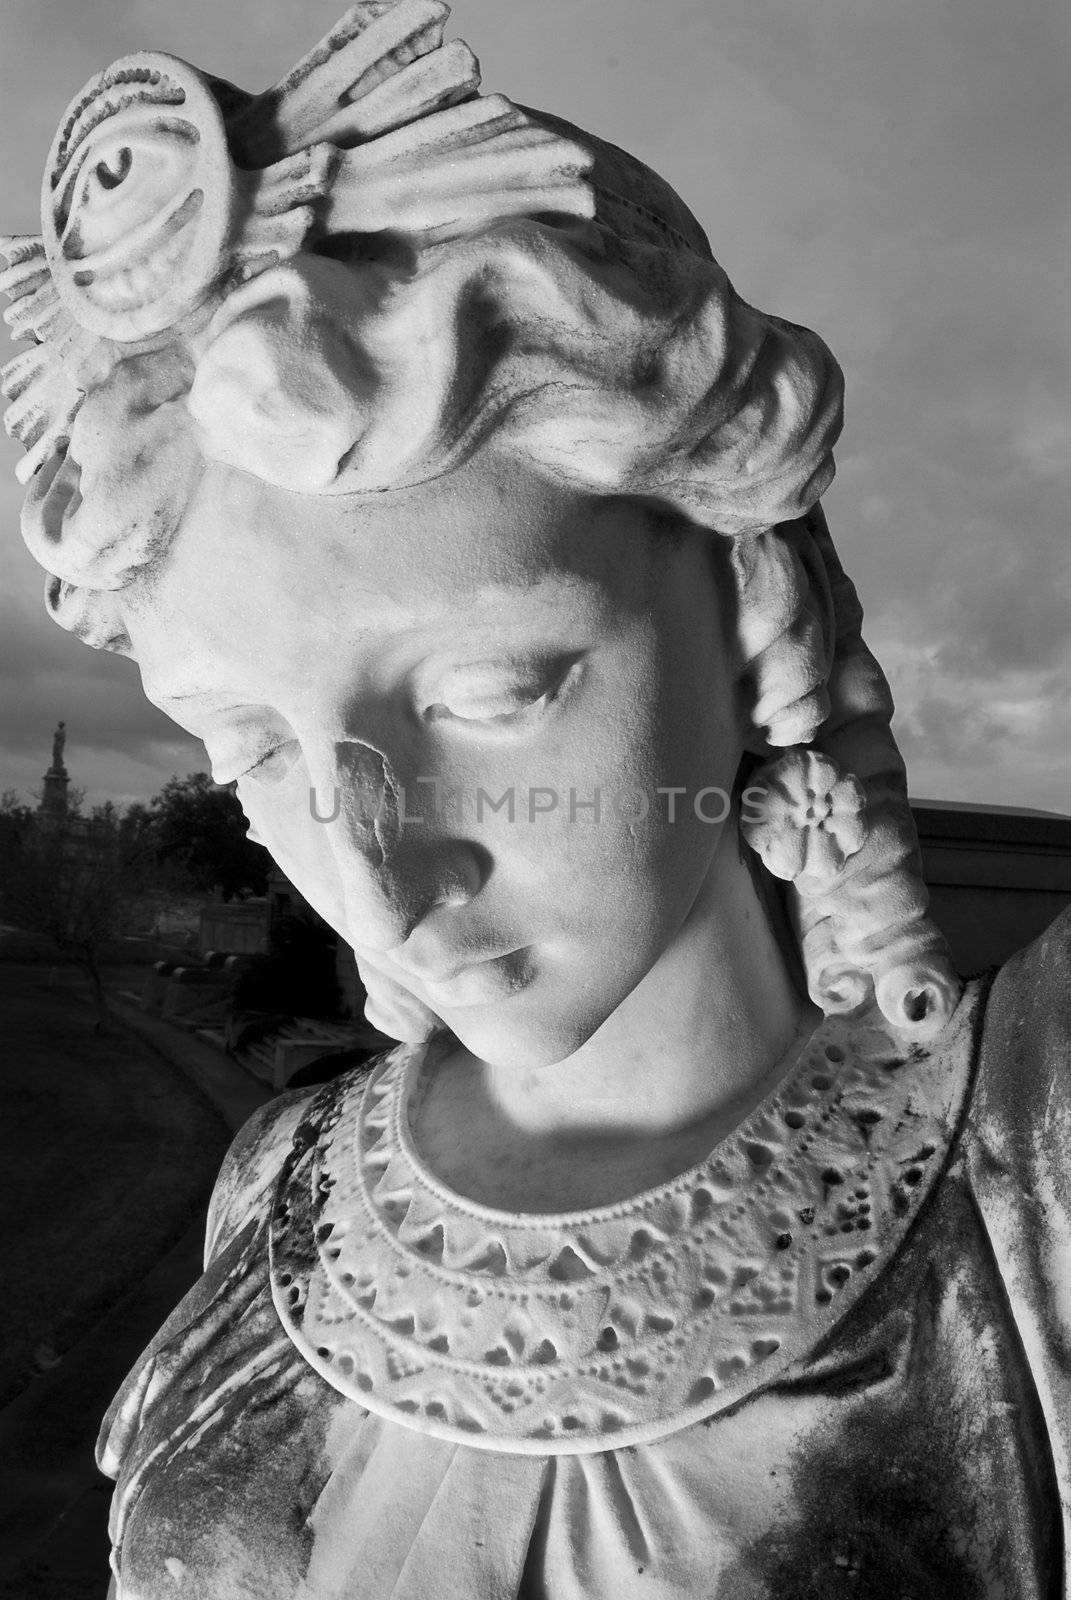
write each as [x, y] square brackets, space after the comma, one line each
[480, 982]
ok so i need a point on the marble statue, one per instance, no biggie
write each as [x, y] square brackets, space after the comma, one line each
[705, 1235]
[59, 739]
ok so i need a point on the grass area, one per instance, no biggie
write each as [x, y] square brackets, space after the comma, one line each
[106, 1153]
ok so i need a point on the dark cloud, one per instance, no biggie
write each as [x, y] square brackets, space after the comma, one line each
[1014, 614]
[1007, 748]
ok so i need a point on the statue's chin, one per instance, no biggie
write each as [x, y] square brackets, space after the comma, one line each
[397, 1013]
[498, 1011]
[520, 1038]
[498, 1034]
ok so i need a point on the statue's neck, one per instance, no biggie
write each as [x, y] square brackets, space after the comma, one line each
[679, 1063]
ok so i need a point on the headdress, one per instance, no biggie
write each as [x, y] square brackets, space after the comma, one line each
[334, 285]
[166, 188]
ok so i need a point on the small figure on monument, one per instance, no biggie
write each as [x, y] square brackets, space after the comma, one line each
[53, 807]
[706, 1236]
[59, 739]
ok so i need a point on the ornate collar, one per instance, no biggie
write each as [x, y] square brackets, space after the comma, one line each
[591, 1330]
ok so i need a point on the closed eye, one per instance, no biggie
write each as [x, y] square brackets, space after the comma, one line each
[490, 698]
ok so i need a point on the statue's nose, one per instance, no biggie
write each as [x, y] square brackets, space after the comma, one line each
[394, 868]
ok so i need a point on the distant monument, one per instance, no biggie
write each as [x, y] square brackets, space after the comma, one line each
[53, 807]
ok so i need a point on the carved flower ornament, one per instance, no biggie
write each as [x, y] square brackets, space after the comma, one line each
[140, 200]
[812, 817]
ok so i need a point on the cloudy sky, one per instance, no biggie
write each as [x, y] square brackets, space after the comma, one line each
[892, 174]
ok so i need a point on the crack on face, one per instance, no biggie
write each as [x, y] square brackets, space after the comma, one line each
[370, 801]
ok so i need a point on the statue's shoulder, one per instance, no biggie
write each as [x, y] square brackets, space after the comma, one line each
[1048, 958]
[1018, 1127]
[252, 1165]
[1018, 1160]
[1022, 1101]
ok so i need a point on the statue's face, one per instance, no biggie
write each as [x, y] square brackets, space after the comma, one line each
[499, 644]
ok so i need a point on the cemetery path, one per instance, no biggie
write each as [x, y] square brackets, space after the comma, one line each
[108, 1152]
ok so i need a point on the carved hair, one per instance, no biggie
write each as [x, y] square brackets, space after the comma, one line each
[843, 834]
[351, 284]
